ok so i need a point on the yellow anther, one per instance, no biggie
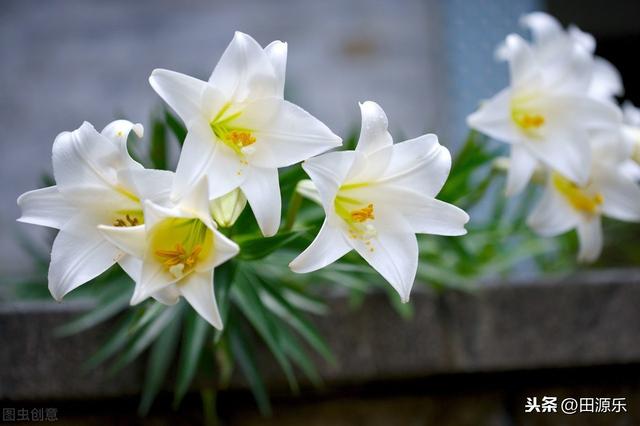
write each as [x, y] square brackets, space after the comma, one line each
[240, 138]
[363, 214]
[128, 220]
[178, 257]
[527, 121]
[579, 197]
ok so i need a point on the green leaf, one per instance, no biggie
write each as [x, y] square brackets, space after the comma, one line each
[251, 306]
[143, 339]
[243, 354]
[195, 334]
[158, 147]
[163, 351]
[114, 302]
[176, 127]
[224, 277]
[291, 347]
[260, 247]
[117, 341]
[291, 316]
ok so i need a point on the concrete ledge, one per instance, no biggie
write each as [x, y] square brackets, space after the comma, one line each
[591, 319]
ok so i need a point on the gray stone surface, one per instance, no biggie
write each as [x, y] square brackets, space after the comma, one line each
[584, 321]
[38, 365]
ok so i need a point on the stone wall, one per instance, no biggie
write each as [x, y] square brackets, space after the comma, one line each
[465, 358]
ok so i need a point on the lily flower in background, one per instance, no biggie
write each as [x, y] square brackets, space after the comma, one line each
[553, 44]
[377, 198]
[177, 250]
[240, 129]
[97, 182]
[610, 191]
[545, 114]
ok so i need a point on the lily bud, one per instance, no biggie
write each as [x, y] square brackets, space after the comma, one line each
[226, 209]
[308, 190]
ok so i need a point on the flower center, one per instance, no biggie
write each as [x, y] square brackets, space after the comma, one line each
[358, 216]
[180, 244]
[527, 121]
[583, 199]
[128, 218]
[526, 116]
[237, 138]
[363, 214]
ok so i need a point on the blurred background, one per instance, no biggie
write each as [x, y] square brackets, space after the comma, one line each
[427, 62]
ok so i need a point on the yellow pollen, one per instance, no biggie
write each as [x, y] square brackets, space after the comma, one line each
[179, 256]
[178, 245]
[579, 197]
[527, 121]
[240, 138]
[127, 221]
[363, 214]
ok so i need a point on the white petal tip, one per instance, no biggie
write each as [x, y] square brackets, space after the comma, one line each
[138, 129]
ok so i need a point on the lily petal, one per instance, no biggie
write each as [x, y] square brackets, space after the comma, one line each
[152, 280]
[277, 53]
[329, 245]
[245, 70]
[393, 254]
[522, 164]
[436, 217]
[181, 92]
[203, 155]
[225, 248]
[493, 118]
[590, 237]
[545, 28]
[45, 207]
[196, 202]
[566, 152]
[118, 132]
[327, 172]
[522, 64]
[262, 190]
[198, 290]
[79, 254]
[607, 81]
[149, 184]
[132, 266]
[552, 215]
[167, 296]
[129, 239]
[82, 159]
[621, 196]
[285, 133]
[421, 164]
[373, 132]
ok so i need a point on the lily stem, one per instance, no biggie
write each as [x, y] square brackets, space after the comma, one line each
[294, 206]
[208, 396]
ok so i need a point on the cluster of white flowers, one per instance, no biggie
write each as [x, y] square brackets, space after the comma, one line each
[561, 119]
[161, 227]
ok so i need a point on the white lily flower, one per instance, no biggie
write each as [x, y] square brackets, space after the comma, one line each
[545, 114]
[177, 250]
[377, 198]
[97, 182]
[240, 129]
[610, 191]
[553, 44]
